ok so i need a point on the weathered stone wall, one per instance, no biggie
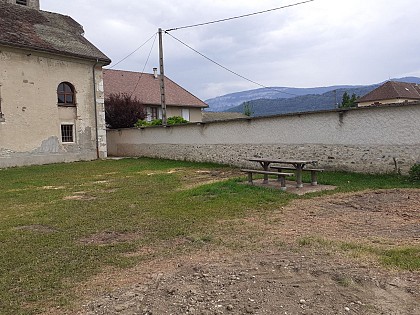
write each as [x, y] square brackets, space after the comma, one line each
[100, 113]
[30, 131]
[366, 159]
[374, 139]
[34, 4]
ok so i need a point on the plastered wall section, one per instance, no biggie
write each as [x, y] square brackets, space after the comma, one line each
[31, 132]
[372, 139]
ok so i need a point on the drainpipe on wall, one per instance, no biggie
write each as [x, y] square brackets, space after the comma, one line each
[96, 108]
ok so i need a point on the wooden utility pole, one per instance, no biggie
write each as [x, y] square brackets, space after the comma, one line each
[162, 79]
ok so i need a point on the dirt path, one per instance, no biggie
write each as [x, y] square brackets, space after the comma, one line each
[295, 266]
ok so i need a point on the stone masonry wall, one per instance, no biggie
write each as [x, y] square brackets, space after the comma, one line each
[366, 159]
[377, 139]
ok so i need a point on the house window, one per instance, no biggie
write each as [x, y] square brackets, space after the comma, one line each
[22, 2]
[65, 94]
[186, 114]
[67, 134]
[154, 113]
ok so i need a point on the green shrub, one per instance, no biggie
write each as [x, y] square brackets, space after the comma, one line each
[176, 120]
[414, 173]
[157, 122]
[141, 123]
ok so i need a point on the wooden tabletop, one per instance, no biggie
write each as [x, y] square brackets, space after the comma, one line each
[272, 160]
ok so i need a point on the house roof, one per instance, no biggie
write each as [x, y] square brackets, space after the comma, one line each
[146, 88]
[26, 28]
[218, 116]
[392, 90]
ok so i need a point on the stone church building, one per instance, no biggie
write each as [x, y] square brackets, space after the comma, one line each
[51, 88]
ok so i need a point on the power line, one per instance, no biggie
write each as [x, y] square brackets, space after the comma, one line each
[130, 54]
[238, 17]
[144, 67]
[227, 69]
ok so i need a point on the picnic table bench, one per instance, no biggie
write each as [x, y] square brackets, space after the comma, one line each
[314, 172]
[297, 165]
[281, 177]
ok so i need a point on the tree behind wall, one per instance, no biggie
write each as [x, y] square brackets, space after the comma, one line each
[121, 111]
[247, 109]
[349, 101]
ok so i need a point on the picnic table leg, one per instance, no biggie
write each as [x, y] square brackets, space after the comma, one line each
[265, 167]
[265, 181]
[299, 168]
[250, 177]
[280, 176]
[314, 180]
[282, 180]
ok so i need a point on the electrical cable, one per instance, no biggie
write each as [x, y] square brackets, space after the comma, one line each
[227, 69]
[130, 54]
[238, 17]
[196, 51]
[144, 67]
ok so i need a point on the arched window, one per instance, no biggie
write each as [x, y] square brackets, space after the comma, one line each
[65, 94]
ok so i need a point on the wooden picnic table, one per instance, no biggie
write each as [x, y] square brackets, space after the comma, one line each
[299, 165]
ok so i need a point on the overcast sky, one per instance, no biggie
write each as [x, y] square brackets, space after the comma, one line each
[321, 43]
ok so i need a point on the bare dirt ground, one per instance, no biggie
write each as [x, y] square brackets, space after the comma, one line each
[290, 265]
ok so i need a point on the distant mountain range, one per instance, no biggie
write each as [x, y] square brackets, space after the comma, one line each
[281, 100]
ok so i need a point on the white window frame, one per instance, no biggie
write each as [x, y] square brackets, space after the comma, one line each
[185, 113]
[72, 130]
[149, 113]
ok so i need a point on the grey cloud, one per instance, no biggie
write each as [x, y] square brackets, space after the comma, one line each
[322, 43]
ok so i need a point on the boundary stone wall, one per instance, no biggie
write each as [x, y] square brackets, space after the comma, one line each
[378, 139]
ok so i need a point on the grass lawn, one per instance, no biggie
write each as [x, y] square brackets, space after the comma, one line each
[53, 218]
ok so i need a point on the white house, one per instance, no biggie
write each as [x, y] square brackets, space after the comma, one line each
[391, 92]
[145, 87]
